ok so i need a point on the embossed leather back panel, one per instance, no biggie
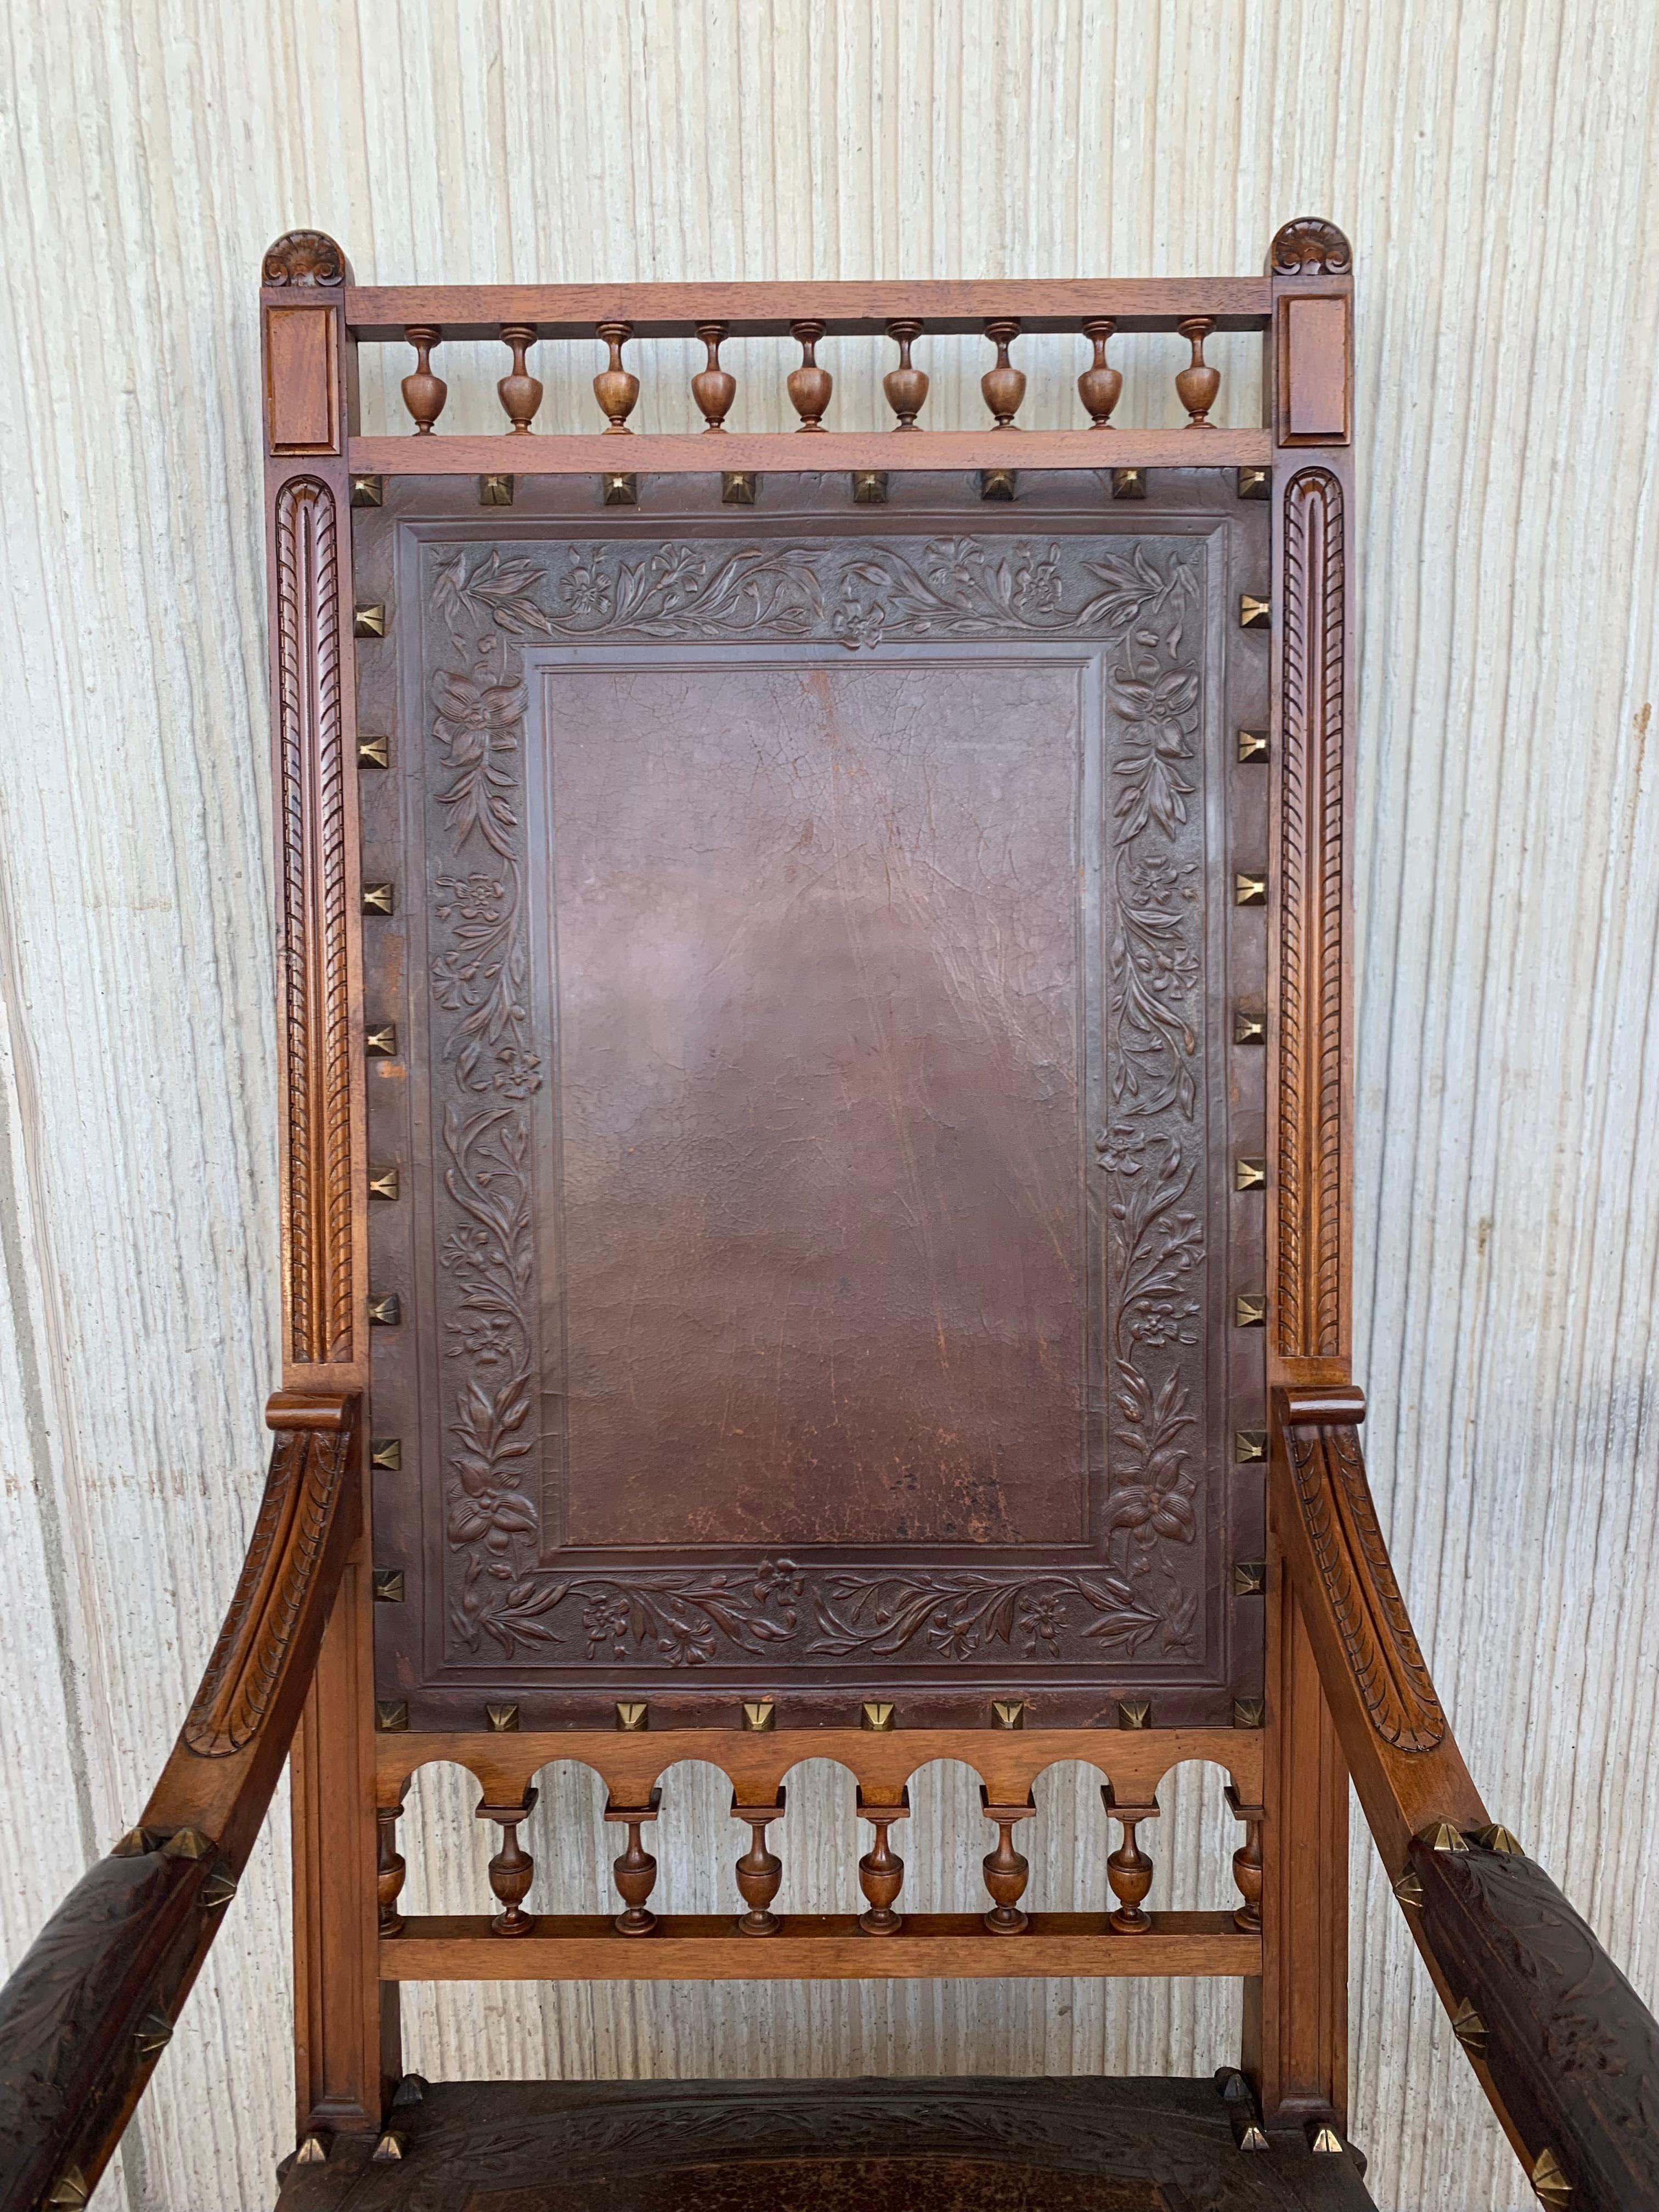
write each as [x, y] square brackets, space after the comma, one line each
[814, 962]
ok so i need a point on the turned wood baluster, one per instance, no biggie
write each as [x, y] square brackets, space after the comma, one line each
[1128, 1870]
[616, 388]
[634, 1871]
[1100, 385]
[713, 388]
[906, 387]
[519, 392]
[809, 385]
[512, 1870]
[1006, 1870]
[424, 392]
[1246, 1862]
[389, 1865]
[1198, 384]
[759, 1871]
[881, 1870]
[1003, 386]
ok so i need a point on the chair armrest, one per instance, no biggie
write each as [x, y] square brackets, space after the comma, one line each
[93, 2002]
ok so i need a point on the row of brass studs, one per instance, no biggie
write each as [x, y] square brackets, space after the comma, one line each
[741, 488]
[759, 1714]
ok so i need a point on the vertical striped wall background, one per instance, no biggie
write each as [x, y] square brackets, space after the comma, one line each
[1491, 161]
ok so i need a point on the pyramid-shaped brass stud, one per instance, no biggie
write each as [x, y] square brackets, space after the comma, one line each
[188, 1843]
[1232, 2087]
[1137, 1714]
[1254, 483]
[378, 898]
[1251, 1309]
[1440, 1836]
[387, 1454]
[380, 1043]
[870, 487]
[313, 2151]
[1249, 1445]
[1249, 1712]
[1250, 1578]
[760, 1716]
[373, 752]
[1250, 1175]
[1323, 2141]
[633, 1716]
[621, 489]
[137, 1844]
[389, 2150]
[411, 2090]
[217, 1890]
[368, 621]
[383, 1182]
[391, 1715]
[1128, 484]
[1496, 1838]
[1008, 1712]
[387, 1584]
[495, 491]
[154, 2032]
[1470, 2028]
[1409, 1890]
[69, 2190]
[503, 1719]
[1248, 1028]
[739, 488]
[1249, 891]
[1252, 747]
[368, 491]
[385, 1310]
[876, 1715]
[996, 483]
[1247, 2130]
[1253, 613]
[1549, 2185]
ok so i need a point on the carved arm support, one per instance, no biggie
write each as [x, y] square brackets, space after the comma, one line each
[1562, 2045]
[93, 2002]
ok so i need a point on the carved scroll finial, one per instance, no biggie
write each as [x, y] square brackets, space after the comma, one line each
[303, 258]
[1310, 246]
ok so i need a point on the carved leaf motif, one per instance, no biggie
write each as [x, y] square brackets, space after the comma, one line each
[304, 257]
[1309, 247]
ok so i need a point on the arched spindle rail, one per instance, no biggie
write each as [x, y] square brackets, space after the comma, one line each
[1120, 1938]
[611, 331]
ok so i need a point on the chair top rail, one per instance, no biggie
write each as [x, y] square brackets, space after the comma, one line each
[381, 313]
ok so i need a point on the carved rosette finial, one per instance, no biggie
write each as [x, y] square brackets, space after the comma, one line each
[1310, 246]
[303, 258]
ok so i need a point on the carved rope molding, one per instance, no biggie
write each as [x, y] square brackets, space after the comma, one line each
[307, 1470]
[1308, 1312]
[314, 923]
[1328, 1474]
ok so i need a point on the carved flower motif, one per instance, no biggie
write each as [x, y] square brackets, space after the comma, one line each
[472, 898]
[780, 1579]
[485, 1338]
[856, 621]
[605, 1621]
[585, 589]
[1165, 1321]
[1041, 1620]
[517, 1073]
[1119, 1149]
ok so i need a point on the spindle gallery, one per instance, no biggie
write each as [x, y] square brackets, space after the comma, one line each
[815, 1056]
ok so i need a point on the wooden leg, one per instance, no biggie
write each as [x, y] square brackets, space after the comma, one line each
[346, 2055]
[1296, 2017]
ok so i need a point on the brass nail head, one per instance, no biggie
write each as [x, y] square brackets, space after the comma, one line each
[137, 1844]
[188, 1843]
[996, 483]
[1410, 1891]
[1232, 2087]
[390, 2148]
[1137, 1715]
[385, 1310]
[503, 1719]
[870, 486]
[383, 1182]
[387, 1453]
[876, 1716]
[1251, 1309]
[378, 898]
[1250, 1578]
[1247, 2133]
[760, 1716]
[1470, 2028]
[381, 1041]
[1248, 1446]
[1252, 746]
[368, 491]
[368, 621]
[1253, 614]
[373, 752]
[1254, 483]
[1249, 1712]
[1550, 2185]
[313, 2151]
[1249, 891]
[1248, 1028]
[69, 2190]
[1440, 1836]
[620, 490]
[391, 1715]
[633, 1716]
[1496, 1838]
[1250, 1175]
[154, 2032]
[495, 491]
[411, 2090]
[1128, 484]
[387, 1584]
[1008, 1712]
[1323, 2141]
[739, 488]
[217, 1890]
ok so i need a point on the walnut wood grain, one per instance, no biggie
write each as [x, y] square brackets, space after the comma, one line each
[91, 2004]
[815, 1947]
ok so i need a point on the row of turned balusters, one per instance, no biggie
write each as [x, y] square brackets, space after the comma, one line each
[714, 388]
[760, 1871]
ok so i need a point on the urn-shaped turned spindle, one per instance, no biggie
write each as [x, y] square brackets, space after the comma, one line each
[760, 1871]
[616, 388]
[809, 385]
[1246, 1862]
[1128, 1870]
[424, 392]
[1003, 384]
[1100, 385]
[906, 387]
[512, 1870]
[712, 387]
[633, 1870]
[388, 1868]
[881, 1870]
[520, 393]
[1198, 383]
[1006, 1870]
